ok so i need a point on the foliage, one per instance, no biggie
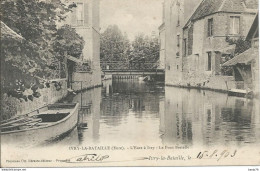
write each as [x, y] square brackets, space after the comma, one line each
[27, 61]
[145, 47]
[36, 21]
[241, 44]
[68, 41]
[115, 46]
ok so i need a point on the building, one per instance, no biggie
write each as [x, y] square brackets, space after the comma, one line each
[86, 20]
[162, 41]
[162, 46]
[175, 15]
[206, 38]
[197, 40]
[246, 65]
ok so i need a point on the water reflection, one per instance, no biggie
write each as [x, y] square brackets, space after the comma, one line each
[131, 112]
[208, 118]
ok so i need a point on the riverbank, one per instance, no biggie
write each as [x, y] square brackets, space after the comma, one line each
[12, 106]
[232, 92]
[160, 112]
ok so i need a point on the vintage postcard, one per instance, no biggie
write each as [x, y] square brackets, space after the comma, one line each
[129, 83]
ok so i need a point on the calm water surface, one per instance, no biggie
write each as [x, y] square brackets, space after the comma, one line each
[131, 112]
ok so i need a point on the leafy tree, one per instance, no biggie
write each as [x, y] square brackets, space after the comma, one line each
[36, 22]
[27, 60]
[145, 47]
[67, 41]
[241, 46]
[115, 46]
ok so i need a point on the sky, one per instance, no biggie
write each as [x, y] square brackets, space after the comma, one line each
[131, 16]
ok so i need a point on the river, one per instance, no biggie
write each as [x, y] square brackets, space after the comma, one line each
[131, 112]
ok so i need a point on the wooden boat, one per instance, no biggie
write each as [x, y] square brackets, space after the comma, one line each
[46, 123]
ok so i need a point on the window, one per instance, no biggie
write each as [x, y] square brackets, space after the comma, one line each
[178, 11]
[210, 27]
[178, 40]
[209, 61]
[185, 47]
[234, 24]
[209, 115]
[80, 14]
[169, 67]
[177, 67]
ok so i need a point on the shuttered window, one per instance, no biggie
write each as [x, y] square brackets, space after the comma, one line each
[234, 24]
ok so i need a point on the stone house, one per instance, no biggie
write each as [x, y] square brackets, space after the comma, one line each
[246, 65]
[86, 21]
[162, 46]
[205, 45]
[175, 15]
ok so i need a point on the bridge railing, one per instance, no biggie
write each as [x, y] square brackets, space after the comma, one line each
[125, 65]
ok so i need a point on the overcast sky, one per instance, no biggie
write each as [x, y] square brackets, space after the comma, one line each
[132, 16]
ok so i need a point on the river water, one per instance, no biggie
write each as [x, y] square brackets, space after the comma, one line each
[132, 112]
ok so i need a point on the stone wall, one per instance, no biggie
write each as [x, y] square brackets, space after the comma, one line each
[162, 46]
[84, 77]
[11, 106]
[194, 76]
[195, 72]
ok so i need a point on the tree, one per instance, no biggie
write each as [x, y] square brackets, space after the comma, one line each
[115, 46]
[28, 59]
[36, 22]
[241, 46]
[145, 47]
[69, 41]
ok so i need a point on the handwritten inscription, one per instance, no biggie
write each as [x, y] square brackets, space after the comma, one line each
[216, 154]
[88, 158]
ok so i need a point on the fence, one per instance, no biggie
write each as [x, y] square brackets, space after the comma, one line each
[128, 65]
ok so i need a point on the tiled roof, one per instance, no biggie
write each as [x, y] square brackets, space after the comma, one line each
[243, 58]
[251, 4]
[208, 7]
[8, 32]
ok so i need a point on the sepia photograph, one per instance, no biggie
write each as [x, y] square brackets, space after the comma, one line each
[97, 83]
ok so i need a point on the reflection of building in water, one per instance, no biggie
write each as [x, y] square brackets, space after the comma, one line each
[95, 115]
[107, 87]
[161, 115]
[206, 118]
[114, 108]
[89, 113]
